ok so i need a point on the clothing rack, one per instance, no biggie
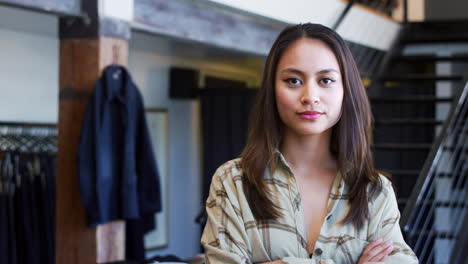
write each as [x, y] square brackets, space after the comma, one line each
[28, 137]
[27, 193]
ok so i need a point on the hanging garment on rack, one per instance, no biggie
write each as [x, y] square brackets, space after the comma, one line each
[27, 206]
[4, 235]
[117, 169]
[48, 194]
[27, 193]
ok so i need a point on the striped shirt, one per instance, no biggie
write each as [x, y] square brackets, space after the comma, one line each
[232, 235]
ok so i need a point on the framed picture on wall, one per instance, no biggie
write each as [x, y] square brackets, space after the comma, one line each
[158, 126]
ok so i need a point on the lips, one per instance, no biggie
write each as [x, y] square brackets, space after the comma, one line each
[310, 115]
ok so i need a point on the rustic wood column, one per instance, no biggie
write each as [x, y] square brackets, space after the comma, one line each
[86, 48]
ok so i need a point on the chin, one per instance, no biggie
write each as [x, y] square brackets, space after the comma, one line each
[310, 131]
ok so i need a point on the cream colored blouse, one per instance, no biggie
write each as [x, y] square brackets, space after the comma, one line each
[232, 235]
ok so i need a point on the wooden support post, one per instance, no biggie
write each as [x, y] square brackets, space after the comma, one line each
[82, 59]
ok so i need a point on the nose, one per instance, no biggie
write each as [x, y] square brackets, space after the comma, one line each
[310, 95]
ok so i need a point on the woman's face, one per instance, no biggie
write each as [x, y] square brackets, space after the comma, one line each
[308, 88]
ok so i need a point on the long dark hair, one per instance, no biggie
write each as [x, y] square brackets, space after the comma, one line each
[350, 140]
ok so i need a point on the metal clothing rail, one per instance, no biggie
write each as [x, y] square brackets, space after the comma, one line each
[28, 137]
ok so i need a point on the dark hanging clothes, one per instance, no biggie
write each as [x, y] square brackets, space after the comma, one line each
[4, 235]
[27, 209]
[48, 189]
[117, 168]
[135, 231]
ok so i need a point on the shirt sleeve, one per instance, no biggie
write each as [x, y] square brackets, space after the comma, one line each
[384, 223]
[224, 237]
[149, 189]
[86, 163]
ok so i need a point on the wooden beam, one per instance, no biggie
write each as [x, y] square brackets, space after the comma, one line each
[75, 243]
[60, 7]
[208, 23]
[81, 64]
[87, 46]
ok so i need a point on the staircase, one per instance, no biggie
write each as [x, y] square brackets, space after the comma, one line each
[424, 74]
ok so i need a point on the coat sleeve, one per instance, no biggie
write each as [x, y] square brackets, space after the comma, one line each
[149, 189]
[86, 163]
[224, 237]
[384, 223]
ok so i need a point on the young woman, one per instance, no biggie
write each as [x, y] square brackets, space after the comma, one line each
[305, 189]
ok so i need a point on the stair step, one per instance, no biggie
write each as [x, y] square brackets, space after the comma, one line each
[420, 77]
[421, 58]
[429, 202]
[415, 173]
[451, 204]
[402, 146]
[408, 121]
[459, 130]
[399, 173]
[435, 39]
[436, 31]
[410, 99]
[433, 234]
[460, 149]
[412, 146]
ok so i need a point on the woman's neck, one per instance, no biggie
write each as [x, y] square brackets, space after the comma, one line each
[310, 152]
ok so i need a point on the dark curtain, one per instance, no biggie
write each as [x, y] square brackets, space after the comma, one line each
[225, 118]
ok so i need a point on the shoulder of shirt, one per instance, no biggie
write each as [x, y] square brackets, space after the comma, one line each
[386, 183]
[387, 192]
[229, 171]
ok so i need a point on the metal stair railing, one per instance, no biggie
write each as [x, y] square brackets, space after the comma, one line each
[459, 253]
[421, 221]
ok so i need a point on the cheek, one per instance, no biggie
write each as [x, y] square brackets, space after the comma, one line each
[338, 102]
[284, 105]
[337, 97]
[284, 99]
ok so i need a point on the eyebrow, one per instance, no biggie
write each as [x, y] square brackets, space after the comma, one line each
[329, 70]
[299, 72]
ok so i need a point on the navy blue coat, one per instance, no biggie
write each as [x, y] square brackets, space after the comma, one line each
[117, 170]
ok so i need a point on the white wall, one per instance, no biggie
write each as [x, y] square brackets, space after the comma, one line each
[150, 58]
[29, 66]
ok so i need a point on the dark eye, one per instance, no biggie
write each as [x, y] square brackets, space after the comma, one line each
[293, 81]
[327, 80]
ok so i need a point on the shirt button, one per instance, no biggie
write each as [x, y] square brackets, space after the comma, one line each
[328, 217]
[318, 252]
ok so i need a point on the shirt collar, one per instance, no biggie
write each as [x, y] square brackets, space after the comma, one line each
[281, 161]
[336, 193]
[337, 190]
[116, 81]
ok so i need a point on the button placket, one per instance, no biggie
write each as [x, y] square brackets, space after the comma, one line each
[295, 204]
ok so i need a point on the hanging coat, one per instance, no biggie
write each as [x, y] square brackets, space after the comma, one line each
[117, 169]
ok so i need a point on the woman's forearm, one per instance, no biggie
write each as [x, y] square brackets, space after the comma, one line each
[279, 261]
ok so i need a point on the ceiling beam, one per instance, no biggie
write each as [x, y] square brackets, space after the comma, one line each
[60, 7]
[208, 23]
